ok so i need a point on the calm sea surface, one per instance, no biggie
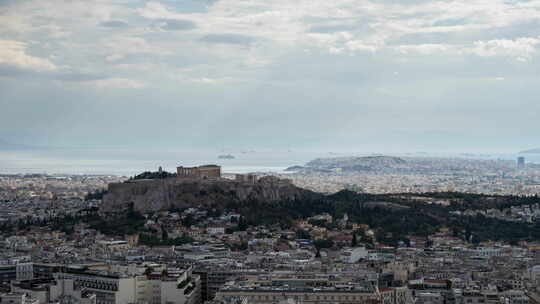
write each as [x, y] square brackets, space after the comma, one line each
[130, 162]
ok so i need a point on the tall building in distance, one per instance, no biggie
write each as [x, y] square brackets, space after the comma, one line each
[521, 162]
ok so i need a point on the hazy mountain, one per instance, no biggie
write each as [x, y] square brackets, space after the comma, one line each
[365, 163]
[531, 151]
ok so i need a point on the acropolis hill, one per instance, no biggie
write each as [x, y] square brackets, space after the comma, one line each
[196, 186]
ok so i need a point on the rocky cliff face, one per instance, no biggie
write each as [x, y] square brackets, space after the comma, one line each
[162, 194]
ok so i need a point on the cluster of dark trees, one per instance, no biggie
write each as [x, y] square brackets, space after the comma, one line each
[129, 223]
[96, 195]
[461, 201]
[153, 175]
[393, 225]
[152, 240]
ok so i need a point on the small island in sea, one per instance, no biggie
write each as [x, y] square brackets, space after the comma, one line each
[226, 156]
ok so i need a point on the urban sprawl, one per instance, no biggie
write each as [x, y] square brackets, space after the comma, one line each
[57, 245]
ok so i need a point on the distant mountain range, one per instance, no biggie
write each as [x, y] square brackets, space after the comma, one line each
[398, 165]
[531, 151]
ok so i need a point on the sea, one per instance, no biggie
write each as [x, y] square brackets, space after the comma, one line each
[129, 162]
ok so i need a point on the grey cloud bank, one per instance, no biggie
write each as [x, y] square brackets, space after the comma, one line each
[394, 75]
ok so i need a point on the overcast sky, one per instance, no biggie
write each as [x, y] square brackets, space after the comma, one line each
[377, 75]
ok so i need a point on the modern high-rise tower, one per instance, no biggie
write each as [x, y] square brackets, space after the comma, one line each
[521, 162]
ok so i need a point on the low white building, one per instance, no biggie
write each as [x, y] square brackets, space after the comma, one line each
[429, 298]
[213, 230]
[488, 252]
[353, 255]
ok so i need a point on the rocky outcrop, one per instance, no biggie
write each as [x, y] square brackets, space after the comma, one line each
[162, 194]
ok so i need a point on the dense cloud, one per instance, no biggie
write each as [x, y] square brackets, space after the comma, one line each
[373, 75]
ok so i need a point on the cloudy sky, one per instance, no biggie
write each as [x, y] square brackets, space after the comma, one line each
[375, 75]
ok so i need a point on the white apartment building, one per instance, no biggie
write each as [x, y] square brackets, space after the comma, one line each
[16, 298]
[108, 288]
[488, 252]
[429, 298]
[53, 291]
[213, 230]
[25, 271]
[176, 287]
[481, 297]
[515, 297]
[353, 255]
[533, 274]
[162, 287]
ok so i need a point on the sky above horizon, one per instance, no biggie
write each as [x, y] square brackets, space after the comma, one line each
[371, 75]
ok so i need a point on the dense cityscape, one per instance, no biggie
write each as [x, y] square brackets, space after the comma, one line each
[504, 177]
[61, 244]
